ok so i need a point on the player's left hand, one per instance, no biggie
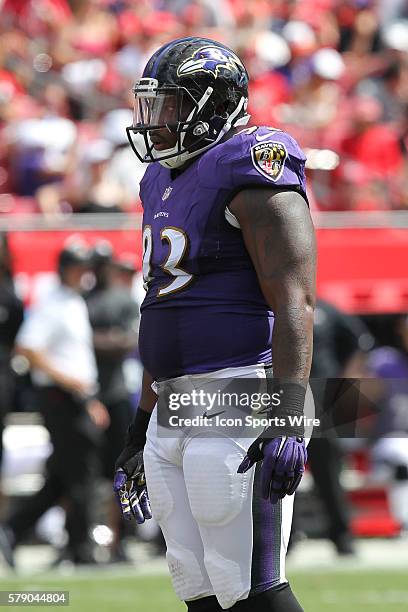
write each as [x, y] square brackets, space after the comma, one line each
[130, 486]
[283, 464]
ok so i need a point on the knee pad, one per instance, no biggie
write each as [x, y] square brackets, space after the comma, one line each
[216, 492]
[187, 576]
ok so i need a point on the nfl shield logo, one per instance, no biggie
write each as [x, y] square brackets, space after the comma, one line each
[167, 192]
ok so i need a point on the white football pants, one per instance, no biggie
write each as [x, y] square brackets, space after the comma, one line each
[222, 538]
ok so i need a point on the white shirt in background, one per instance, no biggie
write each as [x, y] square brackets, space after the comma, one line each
[58, 326]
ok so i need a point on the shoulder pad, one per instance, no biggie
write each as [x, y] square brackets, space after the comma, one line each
[255, 156]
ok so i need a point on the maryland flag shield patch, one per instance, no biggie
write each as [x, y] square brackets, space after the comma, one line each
[269, 159]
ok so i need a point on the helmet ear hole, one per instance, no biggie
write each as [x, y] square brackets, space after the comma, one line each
[222, 109]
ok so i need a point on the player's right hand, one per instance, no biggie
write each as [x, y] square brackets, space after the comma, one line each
[130, 485]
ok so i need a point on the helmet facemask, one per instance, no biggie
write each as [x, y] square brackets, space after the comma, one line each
[190, 115]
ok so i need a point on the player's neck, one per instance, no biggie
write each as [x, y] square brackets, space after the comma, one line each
[175, 172]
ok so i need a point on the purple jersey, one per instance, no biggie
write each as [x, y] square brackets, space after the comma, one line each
[204, 309]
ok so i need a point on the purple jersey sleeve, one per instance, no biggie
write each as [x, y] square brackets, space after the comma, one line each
[257, 156]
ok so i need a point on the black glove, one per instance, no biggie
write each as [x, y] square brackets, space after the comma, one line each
[281, 447]
[283, 464]
[129, 481]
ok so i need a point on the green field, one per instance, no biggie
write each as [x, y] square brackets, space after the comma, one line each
[358, 591]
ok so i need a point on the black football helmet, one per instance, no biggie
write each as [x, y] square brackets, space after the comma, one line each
[195, 87]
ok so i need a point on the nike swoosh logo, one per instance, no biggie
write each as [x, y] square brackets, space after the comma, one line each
[265, 136]
[214, 414]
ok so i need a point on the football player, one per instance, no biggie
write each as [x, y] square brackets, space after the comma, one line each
[229, 267]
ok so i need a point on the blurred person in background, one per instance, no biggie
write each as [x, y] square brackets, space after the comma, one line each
[56, 339]
[114, 318]
[130, 278]
[379, 176]
[88, 187]
[11, 317]
[122, 168]
[340, 344]
[389, 453]
[317, 96]
[127, 276]
[125, 270]
[308, 61]
[389, 87]
[41, 151]
[95, 191]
